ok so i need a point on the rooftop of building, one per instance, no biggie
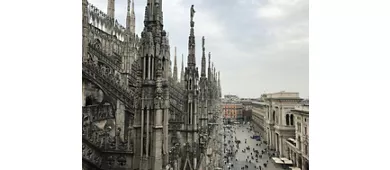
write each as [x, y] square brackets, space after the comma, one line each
[283, 94]
[301, 109]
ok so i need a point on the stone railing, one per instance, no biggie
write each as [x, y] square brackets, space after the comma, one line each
[98, 112]
[109, 83]
[116, 145]
[101, 20]
[103, 142]
[106, 159]
[91, 154]
[110, 61]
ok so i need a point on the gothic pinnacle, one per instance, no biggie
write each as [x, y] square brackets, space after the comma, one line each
[175, 67]
[203, 72]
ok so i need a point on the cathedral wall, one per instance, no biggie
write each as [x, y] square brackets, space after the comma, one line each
[120, 118]
[92, 92]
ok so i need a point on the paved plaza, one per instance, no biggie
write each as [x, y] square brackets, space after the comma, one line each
[241, 132]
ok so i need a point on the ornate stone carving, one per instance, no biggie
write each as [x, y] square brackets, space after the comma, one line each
[107, 81]
[111, 143]
[110, 161]
[90, 154]
[121, 160]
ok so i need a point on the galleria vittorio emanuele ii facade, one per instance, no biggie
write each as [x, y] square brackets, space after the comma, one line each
[137, 112]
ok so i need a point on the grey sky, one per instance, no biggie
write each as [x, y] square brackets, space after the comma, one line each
[258, 45]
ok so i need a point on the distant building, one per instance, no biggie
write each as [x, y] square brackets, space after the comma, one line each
[232, 111]
[259, 111]
[247, 110]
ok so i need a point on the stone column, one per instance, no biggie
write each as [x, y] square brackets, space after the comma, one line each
[152, 68]
[149, 67]
[147, 131]
[144, 68]
[142, 138]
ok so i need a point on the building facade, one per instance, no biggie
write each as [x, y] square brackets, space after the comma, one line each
[247, 110]
[259, 113]
[232, 111]
[280, 121]
[298, 147]
[136, 114]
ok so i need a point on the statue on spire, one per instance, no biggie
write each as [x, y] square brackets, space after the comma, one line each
[192, 13]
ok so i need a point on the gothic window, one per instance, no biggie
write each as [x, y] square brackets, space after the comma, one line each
[292, 120]
[146, 67]
[287, 119]
[144, 144]
[163, 63]
[97, 44]
[88, 101]
[145, 116]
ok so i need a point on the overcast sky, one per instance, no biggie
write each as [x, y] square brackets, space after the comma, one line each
[257, 45]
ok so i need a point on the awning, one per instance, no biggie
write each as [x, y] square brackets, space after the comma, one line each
[286, 161]
[277, 160]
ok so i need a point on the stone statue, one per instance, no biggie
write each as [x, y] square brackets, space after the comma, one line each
[192, 12]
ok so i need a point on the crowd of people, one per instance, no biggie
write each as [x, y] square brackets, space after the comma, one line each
[258, 156]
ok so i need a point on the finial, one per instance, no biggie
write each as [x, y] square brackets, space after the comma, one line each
[128, 7]
[132, 7]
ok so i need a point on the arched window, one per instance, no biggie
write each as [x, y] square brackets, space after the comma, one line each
[287, 119]
[190, 84]
[292, 119]
[273, 116]
[146, 66]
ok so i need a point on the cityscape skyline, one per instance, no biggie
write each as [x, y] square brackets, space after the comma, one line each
[267, 41]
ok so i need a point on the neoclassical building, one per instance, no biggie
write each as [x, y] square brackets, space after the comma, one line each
[298, 147]
[279, 123]
[136, 114]
[259, 113]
